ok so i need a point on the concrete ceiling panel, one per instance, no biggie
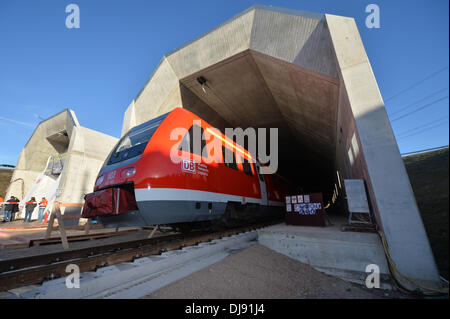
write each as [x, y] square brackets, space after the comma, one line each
[230, 38]
[297, 37]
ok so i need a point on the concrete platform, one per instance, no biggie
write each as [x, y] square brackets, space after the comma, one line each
[329, 250]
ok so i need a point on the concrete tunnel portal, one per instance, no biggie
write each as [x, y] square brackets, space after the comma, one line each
[309, 76]
[60, 161]
[245, 91]
[289, 82]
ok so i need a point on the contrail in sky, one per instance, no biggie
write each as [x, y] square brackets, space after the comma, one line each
[16, 122]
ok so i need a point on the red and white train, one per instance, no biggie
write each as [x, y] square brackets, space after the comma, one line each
[140, 184]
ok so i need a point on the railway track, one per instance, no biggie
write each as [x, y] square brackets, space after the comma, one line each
[34, 270]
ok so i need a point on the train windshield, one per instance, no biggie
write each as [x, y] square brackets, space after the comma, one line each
[134, 142]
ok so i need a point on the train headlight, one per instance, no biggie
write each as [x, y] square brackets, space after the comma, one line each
[99, 180]
[130, 171]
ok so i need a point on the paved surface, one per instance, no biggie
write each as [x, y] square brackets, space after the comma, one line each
[329, 249]
[260, 273]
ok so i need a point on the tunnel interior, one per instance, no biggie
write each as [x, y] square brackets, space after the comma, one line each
[60, 141]
[258, 91]
[36, 157]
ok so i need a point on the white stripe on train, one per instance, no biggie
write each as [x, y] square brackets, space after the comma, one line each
[177, 194]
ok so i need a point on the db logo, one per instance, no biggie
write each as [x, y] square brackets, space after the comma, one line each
[188, 166]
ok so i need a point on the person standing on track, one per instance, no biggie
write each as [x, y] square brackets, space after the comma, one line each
[42, 206]
[15, 208]
[29, 208]
[8, 209]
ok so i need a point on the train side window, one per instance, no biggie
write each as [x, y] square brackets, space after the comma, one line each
[247, 167]
[187, 144]
[227, 154]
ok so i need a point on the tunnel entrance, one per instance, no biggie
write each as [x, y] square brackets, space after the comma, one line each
[48, 160]
[60, 141]
[253, 90]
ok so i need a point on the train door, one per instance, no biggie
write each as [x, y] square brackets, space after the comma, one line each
[263, 186]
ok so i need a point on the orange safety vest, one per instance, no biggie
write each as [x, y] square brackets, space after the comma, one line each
[43, 203]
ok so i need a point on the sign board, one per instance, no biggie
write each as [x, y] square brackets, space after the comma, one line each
[55, 164]
[356, 196]
[305, 209]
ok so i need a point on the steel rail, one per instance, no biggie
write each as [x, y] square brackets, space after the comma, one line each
[31, 270]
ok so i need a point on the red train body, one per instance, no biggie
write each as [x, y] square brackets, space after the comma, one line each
[140, 184]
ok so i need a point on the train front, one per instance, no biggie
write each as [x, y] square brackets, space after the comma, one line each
[113, 201]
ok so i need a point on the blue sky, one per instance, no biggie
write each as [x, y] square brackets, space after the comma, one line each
[98, 69]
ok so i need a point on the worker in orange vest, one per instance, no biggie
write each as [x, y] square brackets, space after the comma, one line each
[42, 206]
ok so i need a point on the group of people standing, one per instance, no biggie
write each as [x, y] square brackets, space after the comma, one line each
[11, 207]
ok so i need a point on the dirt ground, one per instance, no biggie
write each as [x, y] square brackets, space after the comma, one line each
[261, 273]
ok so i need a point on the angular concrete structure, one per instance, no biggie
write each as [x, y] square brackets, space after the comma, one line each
[309, 76]
[61, 161]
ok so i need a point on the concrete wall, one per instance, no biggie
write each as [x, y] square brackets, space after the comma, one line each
[382, 167]
[87, 153]
[85, 149]
[33, 158]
